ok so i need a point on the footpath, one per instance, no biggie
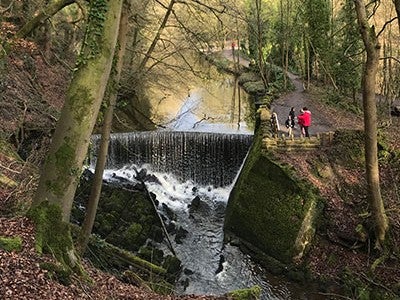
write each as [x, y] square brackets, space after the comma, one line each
[299, 99]
[324, 118]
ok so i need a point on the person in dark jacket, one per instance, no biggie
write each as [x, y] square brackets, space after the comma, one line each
[289, 125]
[292, 115]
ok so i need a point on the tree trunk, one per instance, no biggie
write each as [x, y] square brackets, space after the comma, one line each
[260, 56]
[105, 137]
[370, 123]
[43, 14]
[62, 168]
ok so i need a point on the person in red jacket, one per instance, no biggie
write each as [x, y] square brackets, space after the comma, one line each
[306, 120]
[300, 121]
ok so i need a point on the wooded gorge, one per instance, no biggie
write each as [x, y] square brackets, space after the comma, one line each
[72, 68]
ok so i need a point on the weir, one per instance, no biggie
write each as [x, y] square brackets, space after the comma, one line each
[203, 157]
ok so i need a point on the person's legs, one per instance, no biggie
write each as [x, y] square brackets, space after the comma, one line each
[306, 131]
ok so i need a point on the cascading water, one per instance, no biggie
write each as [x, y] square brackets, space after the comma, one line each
[194, 175]
[205, 158]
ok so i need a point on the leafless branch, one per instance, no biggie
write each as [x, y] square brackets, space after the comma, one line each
[390, 57]
[7, 8]
[384, 26]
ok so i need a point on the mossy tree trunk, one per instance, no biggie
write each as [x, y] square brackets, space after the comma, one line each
[42, 15]
[105, 134]
[62, 168]
[370, 123]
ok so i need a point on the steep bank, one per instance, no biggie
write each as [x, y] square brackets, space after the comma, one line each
[341, 252]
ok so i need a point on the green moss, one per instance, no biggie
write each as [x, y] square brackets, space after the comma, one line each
[11, 243]
[133, 233]
[248, 77]
[124, 218]
[267, 206]
[253, 293]
[53, 235]
[64, 161]
[273, 210]
[172, 264]
[254, 87]
[152, 255]
[109, 257]
[350, 142]
[81, 100]
[57, 272]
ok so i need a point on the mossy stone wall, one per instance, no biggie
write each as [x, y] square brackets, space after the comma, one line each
[267, 206]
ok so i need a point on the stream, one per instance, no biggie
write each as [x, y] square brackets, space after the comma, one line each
[195, 162]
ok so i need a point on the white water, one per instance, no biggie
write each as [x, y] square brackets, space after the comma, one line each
[201, 249]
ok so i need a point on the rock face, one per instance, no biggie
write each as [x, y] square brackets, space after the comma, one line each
[270, 210]
[125, 216]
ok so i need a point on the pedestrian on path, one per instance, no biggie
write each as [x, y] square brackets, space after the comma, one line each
[306, 121]
[290, 125]
[292, 116]
[300, 121]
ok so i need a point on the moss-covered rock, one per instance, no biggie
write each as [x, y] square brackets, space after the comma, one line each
[172, 264]
[125, 216]
[253, 293]
[270, 209]
[150, 254]
[11, 243]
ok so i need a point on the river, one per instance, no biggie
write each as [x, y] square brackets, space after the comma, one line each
[211, 125]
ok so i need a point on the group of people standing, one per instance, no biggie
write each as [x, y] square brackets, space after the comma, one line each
[303, 120]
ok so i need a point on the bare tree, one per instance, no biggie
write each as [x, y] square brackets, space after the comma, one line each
[43, 14]
[97, 183]
[60, 173]
[372, 48]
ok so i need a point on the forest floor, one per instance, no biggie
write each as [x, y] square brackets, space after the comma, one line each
[339, 249]
[21, 275]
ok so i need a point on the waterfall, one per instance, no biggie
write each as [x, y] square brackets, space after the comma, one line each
[203, 157]
[187, 166]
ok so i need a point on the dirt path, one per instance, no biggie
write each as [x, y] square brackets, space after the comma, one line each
[324, 118]
[299, 99]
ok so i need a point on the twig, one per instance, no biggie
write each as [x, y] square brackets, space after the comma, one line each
[375, 283]
[44, 58]
[63, 62]
[205, 118]
[335, 295]
[7, 8]
[11, 170]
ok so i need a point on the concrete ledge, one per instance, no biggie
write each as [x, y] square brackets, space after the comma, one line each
[286, 143]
